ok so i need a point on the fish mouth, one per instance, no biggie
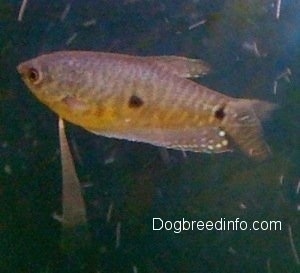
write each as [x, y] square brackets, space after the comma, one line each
[20, 68]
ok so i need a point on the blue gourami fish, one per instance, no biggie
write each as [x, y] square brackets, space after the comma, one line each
[146, 99]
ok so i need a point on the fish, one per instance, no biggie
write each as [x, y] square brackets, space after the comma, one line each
[151, 99]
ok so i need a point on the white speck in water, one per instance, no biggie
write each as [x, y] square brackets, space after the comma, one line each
[7, 169]
[57, 217]
[118, 235]
[298, 187]
[243, 206]
[281, 177]
[278, 7]
[71, 38]
[135, 270]
[22, 10]
[202, 22]
[89, 23]
[4, 144]
[65, 12]
[231, 250]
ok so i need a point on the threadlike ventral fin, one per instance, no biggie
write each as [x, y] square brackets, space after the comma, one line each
[74, 211]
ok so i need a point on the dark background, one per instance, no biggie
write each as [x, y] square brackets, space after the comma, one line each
[140, 182]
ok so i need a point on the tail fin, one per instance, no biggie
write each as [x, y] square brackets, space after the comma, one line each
[244, 126]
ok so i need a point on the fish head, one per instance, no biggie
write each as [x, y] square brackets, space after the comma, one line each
[38, 77]
[56, 80]
[50, 78]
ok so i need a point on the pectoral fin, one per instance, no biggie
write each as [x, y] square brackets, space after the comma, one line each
[74, 104]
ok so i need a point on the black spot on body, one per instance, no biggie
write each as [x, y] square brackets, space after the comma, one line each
[135, 102]
[220, 114]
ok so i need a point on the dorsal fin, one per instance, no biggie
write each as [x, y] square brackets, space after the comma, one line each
[180, 66]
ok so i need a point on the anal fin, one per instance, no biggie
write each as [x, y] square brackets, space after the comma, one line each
[205, 139]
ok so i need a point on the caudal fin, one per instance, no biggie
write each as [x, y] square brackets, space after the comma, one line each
[244, 126]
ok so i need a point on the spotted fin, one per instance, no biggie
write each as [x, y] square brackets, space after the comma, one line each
[181, 66]
[204, 139]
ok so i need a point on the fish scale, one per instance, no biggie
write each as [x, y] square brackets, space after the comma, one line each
[146, 99]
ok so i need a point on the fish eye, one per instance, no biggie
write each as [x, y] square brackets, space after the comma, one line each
[33, 75]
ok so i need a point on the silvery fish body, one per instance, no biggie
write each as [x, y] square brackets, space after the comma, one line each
[146, 99]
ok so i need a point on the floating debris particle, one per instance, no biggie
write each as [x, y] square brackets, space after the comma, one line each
[184, 154]
[89, 23]
[275, 85]
[202, 22]
[72, 38]
[109, 212]
[293, 247]
[22, 10]
[281, 178]
[4, 144]
[283, 75]
[165, 155]
[59, 218]
[7, 169]
[134, 269]
[65, 12]
[87, 185]
[118, 235]
[111, 158]
[243, 206]
[231, 250]
[269, 266]
[278, 7]
[253, 48]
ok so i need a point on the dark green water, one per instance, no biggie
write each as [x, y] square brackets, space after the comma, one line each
[138, 182]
